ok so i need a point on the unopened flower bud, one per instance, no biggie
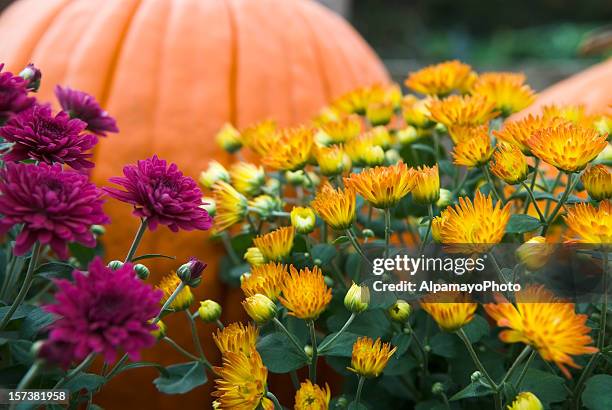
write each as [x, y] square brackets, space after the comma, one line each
[229, 138]
[209, 311]
[534, 253]
[260, 308]
[367, 233]
[254, 256]
[191, 272]
[160, 331]
[374, 156]
[36, 346]
[437, 388]
[32, 75]
[214, 173]
[266, 205]
[597, 181]
[407, 136]
[295, 178]
[476, 376]
[303, 219]
[115, 265]
[247, 178]
[441, 128]
[400, 311]
[328, 281]
[272, 187]
[141, 271]
[342, 402]
[357, 298]
[379, 113]
[312, 181]
[446, 198]
[308, 350]
[392, 157]
[98, 230]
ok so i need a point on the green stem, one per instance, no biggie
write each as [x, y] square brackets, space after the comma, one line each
[312, 371]
[523, 373]
[74, 372]
[532, 185]
[516, 363]
[179, 349]
[387, 230]
[27, 282]
[277, 405]
[357, 247]
[220, 324]
[553, 215]
[475, 359]
[137, 238]
[535, 203]
[445, 400]
[462, 182]
[28, 378]
[551, 190]
[168, 302]
[424, 241]
[359, 389]
[331, 341]
[229, 249]
[116, 367]
[485, 171]
[420, 347]
[497, 268]
[196, 340]
[290, 336]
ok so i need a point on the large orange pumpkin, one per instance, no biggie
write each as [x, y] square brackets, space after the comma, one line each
[172, 72]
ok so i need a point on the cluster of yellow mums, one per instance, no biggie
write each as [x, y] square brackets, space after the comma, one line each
[352, 149]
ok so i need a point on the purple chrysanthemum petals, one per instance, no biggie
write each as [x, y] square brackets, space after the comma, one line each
[13, 95]
[85, 107]
[161, 194]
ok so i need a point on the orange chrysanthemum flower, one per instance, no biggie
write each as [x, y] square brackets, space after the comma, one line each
[305, 293]
[473, 152]
[266, 279]
[292, 150]
[462, 110]
[450, 310]
[332, 160]
[260, 136]
[242, 382]
[442, 79]
[568, 147]
[427, 187]
[545, 322]
[276, 245]
[597, 180]
[460, 133]
[415, 112]
[383, 187]
[370, 357]
[312, 397]
[236, 338]
[231, 206]
[340, 131]
[436, 227]
[356, 101]
[509, 164]
[518, 132]
[335, 206]
[380, 113]
[474, 227]
[363, 150]
[507, 90]
[591, 224]
[573, 113]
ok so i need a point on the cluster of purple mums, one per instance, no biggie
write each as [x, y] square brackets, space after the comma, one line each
[45, 192]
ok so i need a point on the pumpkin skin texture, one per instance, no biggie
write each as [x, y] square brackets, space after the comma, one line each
[172, 72]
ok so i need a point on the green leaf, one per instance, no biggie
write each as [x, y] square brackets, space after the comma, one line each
[521, 223]
[240, 243]
[34, 322]
[474, 389]
[181, 378]
[597, 393]
[342, 346]
[399, 365]
[445, 345]
[447, 167]
[548, 387]
[137, 365]
[279, 354]
[476, 329]
[423, 147]
[152, 256]
[87, 381]
[402, 342]
[21, 312]
[357, 406]
[54, 270]
[430, 405]
[323, 252]
[341, 239]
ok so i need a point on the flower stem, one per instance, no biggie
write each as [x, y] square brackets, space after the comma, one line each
[228, 248]
[137, 238]
[359, 389]
[27, 282]
[521, 376]
[116, 367]
[535, 203]
[28, 378]
[168, 302]
[516, 363]
[72, 373]
[290, 336]
[196, 340]
[553, 214]
[475, 359]
[346, 325]
[179, 349]
[424, 241]
[485, 171]
[220, 324]
[532, 185]
[312, 371]
[277, 405]
[357, 247]
[387, 230]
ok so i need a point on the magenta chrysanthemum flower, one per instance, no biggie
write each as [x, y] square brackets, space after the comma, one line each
[36, 134]
[85, 107]
[162, 194]
[54, 206]
[101, 312]
[13, 95]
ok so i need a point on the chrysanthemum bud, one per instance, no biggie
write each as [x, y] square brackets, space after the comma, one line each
[509, 163]
[266, 205]
[392, 156]
[36, 346]
[209, 205]
[191, 272]
[209, 311]
[407, 136]
[446, 198]
[312, 181]
[114, 265]
[331, 160]
[308, 350]
[254, 256]
[379, 113]
[295, 178]
[436, 228]
[474, 377]
[247, 178]
[357, 298]
[597, 181]
[367, 233]
[229, 138]
[215, 172]
[160, 332]
[437, 388]
[526, 401]
[427, 188]
[272, 187]
[400, 311]
[98, 230]
[374, 156]
[260, 308]
[32, 75]
[141, 271]
[534, 253]
[329, 281]
[303, 219]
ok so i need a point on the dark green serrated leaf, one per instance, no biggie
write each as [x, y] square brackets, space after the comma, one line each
[181, 378]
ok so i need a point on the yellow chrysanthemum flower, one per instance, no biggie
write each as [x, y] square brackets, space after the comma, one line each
[214, 173]
[266, 279]
[597, 180]
[303, 219]
[335, 206]
[247, 178]
[236, 338]
[474, 227]
[507, 90]
[305, 294]
[545, 322]
[231, 206]
[340, 131]
[312, 397]
[229, 138]
[364, 151]
[442, 79]
[415, 112]
[383, 187]
[370, 357]
[354, 102]
[260, 308]
[535, 253]
[462, 110]
[436, 227]
[509, 164]
[450, 310]
[573, 113]
[568, 147]
[380, 113]
[254, 256]
[242, 382]
[473, 152]
[460, 133]
[260, 136]
[427, 187]
[332, 160]
[292, 150]
[168, 285]
[526, 401]
[591, 224]
[518, 132]
[276, 245]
